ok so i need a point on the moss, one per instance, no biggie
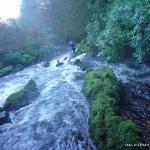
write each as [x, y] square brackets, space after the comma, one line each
[108, 130]
[22, 98]
[6, 70]
[101, 80]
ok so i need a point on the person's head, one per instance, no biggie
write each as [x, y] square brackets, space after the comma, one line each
[57, 61]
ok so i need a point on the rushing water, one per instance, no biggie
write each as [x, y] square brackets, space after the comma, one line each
[135, 100]
[56, 120]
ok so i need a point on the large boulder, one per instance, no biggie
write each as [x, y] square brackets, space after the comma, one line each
[22, 97]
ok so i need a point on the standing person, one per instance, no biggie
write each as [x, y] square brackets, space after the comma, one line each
[72, 46]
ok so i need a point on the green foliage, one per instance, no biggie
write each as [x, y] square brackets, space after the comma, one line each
[26, 51]
[112, 44]
[6, 70]
[22, 97]
[93, 33]
[120, 29]
[31, 46]
[66, 18]
[108, 130]
[11, 37]
[18, 47]
[71, 14]
[82, 47]
[102, 79]
[18, 58]
[140, 39]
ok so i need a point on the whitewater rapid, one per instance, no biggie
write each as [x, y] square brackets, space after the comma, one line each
[57, 119]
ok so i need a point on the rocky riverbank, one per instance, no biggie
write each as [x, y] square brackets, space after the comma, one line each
[135, 95]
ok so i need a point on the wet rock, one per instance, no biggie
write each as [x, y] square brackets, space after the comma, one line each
[77, 62]
[135, 105]
[4, 117]
[77, 134]
[46, 64]
[85, 62]
[1, 109]
[140, 89]
[134, 65]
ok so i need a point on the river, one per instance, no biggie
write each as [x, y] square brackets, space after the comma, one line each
[57, 119]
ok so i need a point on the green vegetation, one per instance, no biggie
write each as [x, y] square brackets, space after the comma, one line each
[18, 48]
[119, 29]
[66, 18]
[108, 130]
[112, 29]
[6, 70]
[34, 36]
[23, 97]
[82, 47]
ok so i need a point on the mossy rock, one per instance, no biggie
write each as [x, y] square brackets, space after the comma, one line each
[22, 97]
[100, 80]
[108, 130]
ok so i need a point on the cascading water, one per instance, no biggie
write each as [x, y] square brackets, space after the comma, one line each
[56, 120]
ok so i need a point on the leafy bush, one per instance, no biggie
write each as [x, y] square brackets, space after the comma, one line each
[18, 46]
[82, 47]
[19, 58]
[31, 46]
[13, 58]
[140, 34]
[112, 44]
[107, 129]
[22, 97]
[124, 32]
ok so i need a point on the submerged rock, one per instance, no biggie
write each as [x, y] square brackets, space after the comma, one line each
[4, 117]
[46, 64]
